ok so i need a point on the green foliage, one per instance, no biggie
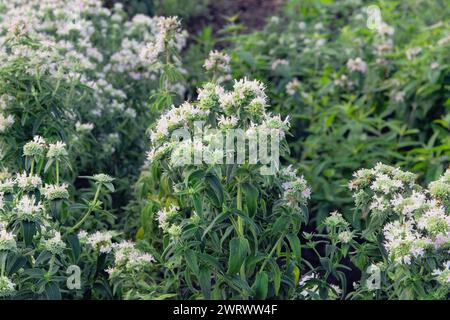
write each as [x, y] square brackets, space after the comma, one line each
[394, 110]
[331, 86]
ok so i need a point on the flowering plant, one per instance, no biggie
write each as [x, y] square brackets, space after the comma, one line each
[91, 71]
[411, 227]
[40, 252]
[221, 228]
[357, 93]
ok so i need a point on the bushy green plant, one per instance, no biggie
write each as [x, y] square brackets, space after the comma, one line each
[402, 250]
[44, 253]
[95, 68]
[356, 95]
[221, 229]
[410, 225]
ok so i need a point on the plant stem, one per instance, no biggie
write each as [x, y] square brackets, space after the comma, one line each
[272, 251]
[240, 222]
[3, 256]
[32, 167]
[57, 172]
[91, 207]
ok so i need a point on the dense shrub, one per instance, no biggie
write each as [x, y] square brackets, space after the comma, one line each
[89, 65]
[222, 229]
[220, 205]
[356, 95]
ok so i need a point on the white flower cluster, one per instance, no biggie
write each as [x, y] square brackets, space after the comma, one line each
[27, 208]
[279, 63]
[440, 189]
[27, 182]
[293, 87]
[55, 192]
[384, 29]
[54, 244]
[22, 206]
[6, 122]
[378, 186]
[168, 35]
[443, 275]
[413, 52]
[357, 65]
[339, 227]
[34, 148]
[418, 221]
[309, 289]
[166, 216]
[295, 190]
[38, 146]
[217, 61]
[100, 241]
[57, 150]
[84, 127]
[7, 240]
[175, 118]
[86, 41]
[344, 82]
[247, 100]
[128, 259]
[7, 287]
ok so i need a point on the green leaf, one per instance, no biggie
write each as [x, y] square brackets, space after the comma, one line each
[219, 218]
[198, 204]
[261, 285]
[43, 257]
[217, 191]
[251, 198]
[14, 263]
[204, 279]
[192, 262]
[276, 277]
[295, 245]
[280, 225]
[29, 230]
[239, 248]
[109, 186]
[75, 246]
[52, 291]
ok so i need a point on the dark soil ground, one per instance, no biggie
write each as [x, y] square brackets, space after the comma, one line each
[252, 13]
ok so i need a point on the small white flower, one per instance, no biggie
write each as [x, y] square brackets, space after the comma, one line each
[279, 62]
[55, 192]
[28, 183]
[28, 209]
[84, 127]
[57, 150]
[35, 147]
[7, 241]
[384, 29]
[227, 122]
[357, 64]
[412, 52]
[292, 87]
[434, 65]
[7, 287]
[101, 241]
[6, 122]
[55, 244]
[217, 61]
